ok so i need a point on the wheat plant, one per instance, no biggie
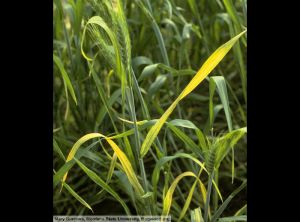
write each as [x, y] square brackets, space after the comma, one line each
[150, 108]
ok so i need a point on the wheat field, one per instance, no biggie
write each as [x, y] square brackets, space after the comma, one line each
[150, 108]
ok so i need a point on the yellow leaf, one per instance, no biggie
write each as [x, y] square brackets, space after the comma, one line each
[128, 170]
[168, 198]
[206, 68]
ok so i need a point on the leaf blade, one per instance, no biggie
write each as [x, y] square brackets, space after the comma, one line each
[93, 176]
[206, 68]
[65, 76]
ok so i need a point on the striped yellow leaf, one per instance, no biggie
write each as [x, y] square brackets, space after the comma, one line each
[206, 68]
[196, 215]
[189, 198]
[127, 167]
[128, 170]
[187, 202]
[111, 168]
[76, 147]
[168, 198]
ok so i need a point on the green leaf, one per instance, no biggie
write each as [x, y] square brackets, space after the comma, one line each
[156, 85]
[174, 26]
[74, 194]
[208, 196]
[183, 123]
[78, 16]
[126, 186]
[150, 69]
[233, 219]
[224, 143]
[65, 76]
[58, 150]
[102, 184]
[219, 83]
[68, 165]
[140, 60]
[232, 13]
[188, 124]
[241, 211]
[227, 201]
[158, 35]
[148, 194]
[187, 140]
[107, 104]
[186, 31]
